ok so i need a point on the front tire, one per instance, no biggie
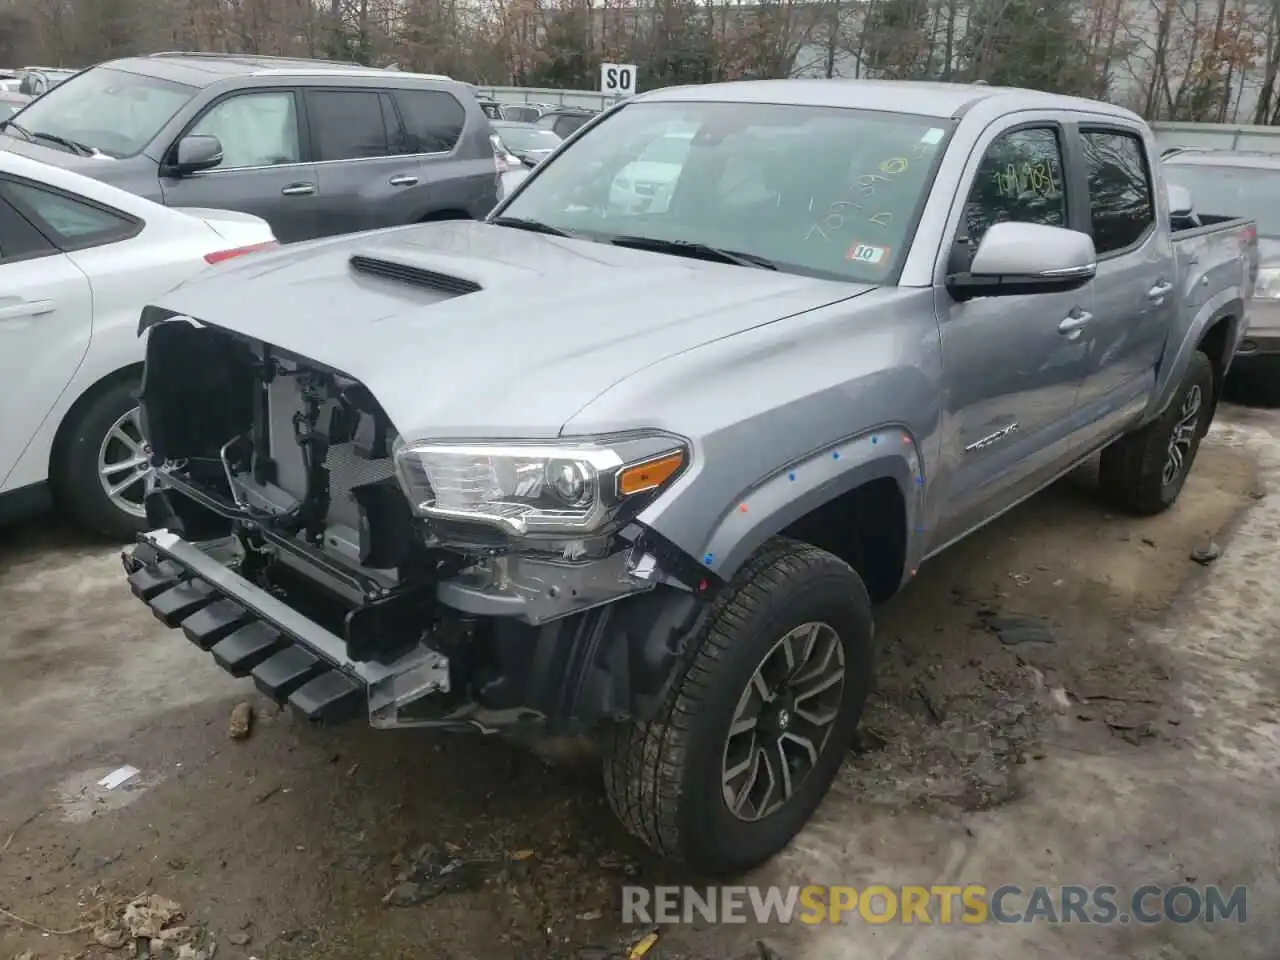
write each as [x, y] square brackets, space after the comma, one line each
[752, 736]
[99, 471]
[1144, 471]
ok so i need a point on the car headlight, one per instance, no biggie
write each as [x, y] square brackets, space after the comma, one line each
[537, 488]
[1267, 286]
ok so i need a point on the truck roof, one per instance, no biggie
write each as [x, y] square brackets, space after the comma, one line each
[930, 99]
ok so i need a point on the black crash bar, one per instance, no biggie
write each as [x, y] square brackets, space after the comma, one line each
[249, 632]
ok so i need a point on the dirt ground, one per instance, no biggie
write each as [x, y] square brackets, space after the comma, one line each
[1068, 680]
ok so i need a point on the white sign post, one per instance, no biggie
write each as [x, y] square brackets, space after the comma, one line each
[617, 79]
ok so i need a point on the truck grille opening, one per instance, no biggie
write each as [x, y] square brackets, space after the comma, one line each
[409, 273]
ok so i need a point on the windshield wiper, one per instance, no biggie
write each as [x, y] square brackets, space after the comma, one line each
[74, 146]
[26, 134]
[533, 226]
[692, 248]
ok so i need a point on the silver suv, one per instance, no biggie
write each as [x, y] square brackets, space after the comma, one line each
[314, 147]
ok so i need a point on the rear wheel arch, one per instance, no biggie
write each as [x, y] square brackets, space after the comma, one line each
[74, 460]
[1217, 342]
[61, 436]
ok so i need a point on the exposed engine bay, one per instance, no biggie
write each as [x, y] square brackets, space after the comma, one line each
[287, 472]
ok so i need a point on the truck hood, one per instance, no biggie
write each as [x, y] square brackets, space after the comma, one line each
[553, 324]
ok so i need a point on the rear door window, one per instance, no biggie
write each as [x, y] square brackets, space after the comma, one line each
[433, 120]
[1120, 195]
[347, 124]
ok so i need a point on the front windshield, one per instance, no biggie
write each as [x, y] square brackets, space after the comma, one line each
[528, 138]
[822, 191]
[108, 110]
[1231, 191]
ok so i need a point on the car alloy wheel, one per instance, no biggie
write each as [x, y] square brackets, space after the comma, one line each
[124, 464]
[783, 720]
[1183, 435]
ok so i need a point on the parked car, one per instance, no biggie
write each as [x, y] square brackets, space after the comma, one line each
[315, 148]
[565, 120]
[521, 112]
[1244, 185]
[527, 142]
[10, 80]
[39, 80]
[665, 521]
[11, 103]
[78, 259]
[492, 108]
[645, 184]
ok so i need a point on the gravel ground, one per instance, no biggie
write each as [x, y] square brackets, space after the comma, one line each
[1037, 689]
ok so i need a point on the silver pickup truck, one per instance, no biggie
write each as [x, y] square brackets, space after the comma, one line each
[642, 469]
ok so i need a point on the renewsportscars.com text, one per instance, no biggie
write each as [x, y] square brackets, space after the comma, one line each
[935, 904]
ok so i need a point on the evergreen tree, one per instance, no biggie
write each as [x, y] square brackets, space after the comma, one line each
[1029, 43]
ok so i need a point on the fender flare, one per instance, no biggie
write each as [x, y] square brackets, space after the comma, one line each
[1228, 305]
[771, 505]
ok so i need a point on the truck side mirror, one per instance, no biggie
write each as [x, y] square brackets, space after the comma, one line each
[1015, 259]
[1180, 206]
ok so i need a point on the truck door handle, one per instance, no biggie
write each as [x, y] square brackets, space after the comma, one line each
[26, 308]
[1072, 324]
[403, 181]
[1159, 291]
[299, 190]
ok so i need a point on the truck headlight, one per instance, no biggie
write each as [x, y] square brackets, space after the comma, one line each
[537, 488]
[1267, 286]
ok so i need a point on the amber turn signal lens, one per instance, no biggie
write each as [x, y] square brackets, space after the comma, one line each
[650, 474]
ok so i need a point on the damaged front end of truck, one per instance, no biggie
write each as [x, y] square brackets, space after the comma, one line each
[304, 542]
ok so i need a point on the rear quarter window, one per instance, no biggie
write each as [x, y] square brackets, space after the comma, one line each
[70, 223]
[433, 119]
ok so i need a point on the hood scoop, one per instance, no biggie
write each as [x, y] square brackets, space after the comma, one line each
[406, 271]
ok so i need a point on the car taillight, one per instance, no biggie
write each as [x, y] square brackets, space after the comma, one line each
[500, 163]
[219, 255]
[1249, 233]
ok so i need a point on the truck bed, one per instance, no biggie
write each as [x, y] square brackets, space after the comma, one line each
[1210, 250]
[1216, 256]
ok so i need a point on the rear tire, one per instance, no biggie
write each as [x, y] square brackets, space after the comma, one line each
[672, 781]
[100, 433]
[1144, 471]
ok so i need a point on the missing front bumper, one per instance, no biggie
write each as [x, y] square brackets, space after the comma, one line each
[291, 658]
[611, 661]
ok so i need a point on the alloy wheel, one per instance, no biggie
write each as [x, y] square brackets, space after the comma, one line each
[1184, 433]
[124, 464]
[783, 720]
